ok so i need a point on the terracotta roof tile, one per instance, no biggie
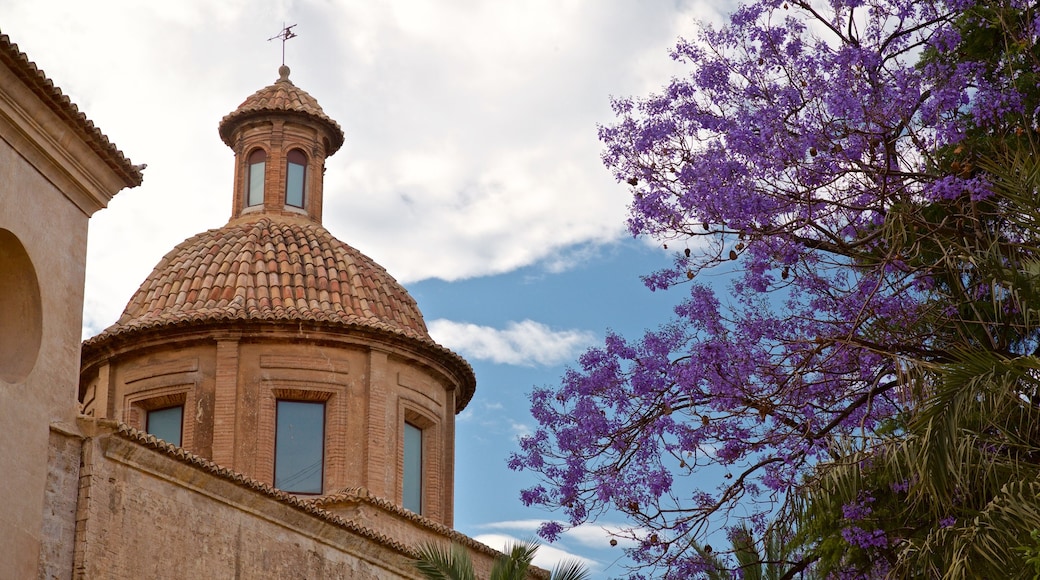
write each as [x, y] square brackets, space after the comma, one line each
[347, 287]
[281, 97]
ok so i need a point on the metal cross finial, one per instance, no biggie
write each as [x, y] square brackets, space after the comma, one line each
[285, 34]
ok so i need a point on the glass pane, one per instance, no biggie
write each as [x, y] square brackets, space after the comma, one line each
[256, 183]
[166, 424]
[412, 497]
[299, 448]
[294, 185]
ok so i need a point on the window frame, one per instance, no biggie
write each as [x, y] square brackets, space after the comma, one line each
[323, 442]
[252, 179]
[408, 470]
[180, 429]
[411, 413]
[301, 162]
[140, 403]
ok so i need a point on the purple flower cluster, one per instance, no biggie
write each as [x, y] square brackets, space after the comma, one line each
[865, 539]
[802, 129]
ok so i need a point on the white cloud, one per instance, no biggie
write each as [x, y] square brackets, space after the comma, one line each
[519, 343]
[471, 126]
[596, 536]
[520, 429]
[514, 525]
[547, 556]
[599, 535]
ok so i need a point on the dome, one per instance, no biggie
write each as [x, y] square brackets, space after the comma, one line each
[239, 327]
[283, 97]
[273, 270]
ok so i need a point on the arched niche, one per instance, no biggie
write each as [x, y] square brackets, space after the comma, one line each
[21, 314]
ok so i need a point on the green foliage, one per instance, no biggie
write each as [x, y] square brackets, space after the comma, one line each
[1031, 553]
[438, 563]
[779, 558]
[950, 489]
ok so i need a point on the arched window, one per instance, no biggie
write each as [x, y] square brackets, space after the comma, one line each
[295, 177]
[255, 178]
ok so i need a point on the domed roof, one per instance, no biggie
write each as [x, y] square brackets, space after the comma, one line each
[259, 268]
[281, 97]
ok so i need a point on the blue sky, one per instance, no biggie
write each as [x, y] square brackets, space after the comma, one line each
[471, 171]
[517, 312]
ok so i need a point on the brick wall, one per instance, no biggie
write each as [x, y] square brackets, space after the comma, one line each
[144, 509]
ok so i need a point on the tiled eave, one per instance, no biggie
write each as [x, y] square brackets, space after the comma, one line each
[311, 506]
[182, 455]
[60, 104]
[361, 495]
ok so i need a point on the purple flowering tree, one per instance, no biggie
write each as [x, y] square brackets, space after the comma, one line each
[817, 156]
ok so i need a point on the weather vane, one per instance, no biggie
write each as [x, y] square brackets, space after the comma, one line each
[285, 34]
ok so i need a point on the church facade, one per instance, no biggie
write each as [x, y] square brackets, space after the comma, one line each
[270, 403]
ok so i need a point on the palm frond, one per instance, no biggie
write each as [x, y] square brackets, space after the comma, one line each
[437, 562]
[570, 570]
[514, 563]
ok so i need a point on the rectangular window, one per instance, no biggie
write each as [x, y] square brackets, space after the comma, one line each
[256, 183]
[299, 446]
[412, 476]
[294, 185]
[166, 424]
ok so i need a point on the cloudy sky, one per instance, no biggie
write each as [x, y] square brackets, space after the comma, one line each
[470, 171]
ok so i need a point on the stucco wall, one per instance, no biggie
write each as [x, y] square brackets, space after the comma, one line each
[52, 232]
[56, 169]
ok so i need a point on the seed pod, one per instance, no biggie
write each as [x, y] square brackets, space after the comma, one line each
[732, 254]
[687, 252]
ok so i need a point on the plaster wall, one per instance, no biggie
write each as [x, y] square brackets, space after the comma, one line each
[52, 232]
